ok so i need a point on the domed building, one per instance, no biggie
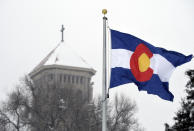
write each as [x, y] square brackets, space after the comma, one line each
[62, 67]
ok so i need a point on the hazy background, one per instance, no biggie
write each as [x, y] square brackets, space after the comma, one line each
[29, 30]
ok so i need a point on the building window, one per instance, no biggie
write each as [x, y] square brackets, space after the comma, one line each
[50, 77]
[73, 79]
[60, 77]
[77, 78]
[64, 78]
[81, 79]
[68, 78]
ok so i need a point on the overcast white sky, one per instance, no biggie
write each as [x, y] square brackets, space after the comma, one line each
[30, 29]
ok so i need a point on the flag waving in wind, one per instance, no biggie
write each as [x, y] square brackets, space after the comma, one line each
[149, 67]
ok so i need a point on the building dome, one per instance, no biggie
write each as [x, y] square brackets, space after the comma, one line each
[63, 55]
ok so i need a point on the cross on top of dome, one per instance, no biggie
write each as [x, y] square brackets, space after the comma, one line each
[62, 30]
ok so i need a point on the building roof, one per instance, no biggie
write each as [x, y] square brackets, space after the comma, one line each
[63, 55]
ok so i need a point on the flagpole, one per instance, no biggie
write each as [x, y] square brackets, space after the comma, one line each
[104, 78]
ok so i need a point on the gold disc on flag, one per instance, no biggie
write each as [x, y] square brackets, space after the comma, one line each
[143, 62]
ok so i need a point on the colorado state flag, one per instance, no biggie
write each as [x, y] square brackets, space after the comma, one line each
[149, 67]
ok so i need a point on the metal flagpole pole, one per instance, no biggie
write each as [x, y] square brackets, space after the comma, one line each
[104, 89]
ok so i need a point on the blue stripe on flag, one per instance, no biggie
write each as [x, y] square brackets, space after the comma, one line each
[129, 42]
[120, 76]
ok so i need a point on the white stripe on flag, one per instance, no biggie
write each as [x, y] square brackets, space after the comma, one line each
[161, 66]
[120, 58]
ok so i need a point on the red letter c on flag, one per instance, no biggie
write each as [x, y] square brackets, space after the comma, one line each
[140, 63]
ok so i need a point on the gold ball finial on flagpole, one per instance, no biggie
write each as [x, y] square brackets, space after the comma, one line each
[104, 11]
